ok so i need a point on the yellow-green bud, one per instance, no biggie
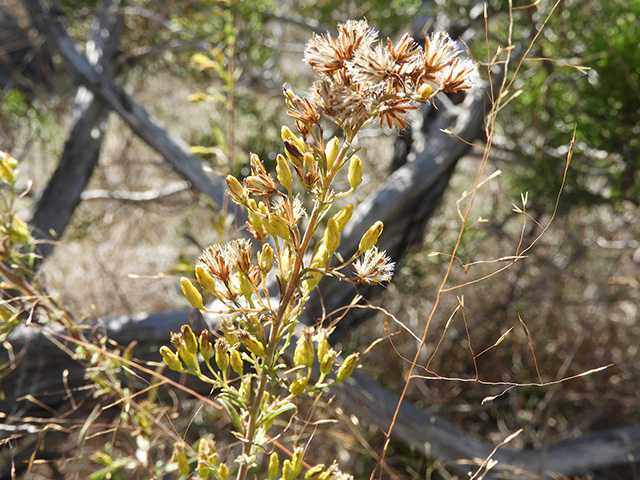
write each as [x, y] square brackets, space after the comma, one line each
[253, 345]
[222, 358]
[205, 279]
[265, 259]
[347, 367]
[304, 353]
[191, 293]
[287, 470]
[425, 91]
[296, 461]
[207, 458]
[321, 257]
[332, 235]
[223, 471]
[288, 93]
[327, 361]
[171, 359]
[297, 387]
[323, 347]
[314, 473]
[237, 365]
[237, 192]
[189, 339]
[181, 458]
[246, 288]
[332, 150]
[229, 333]
[274, 466]
[283, 171]
[278, 226]
[355, 171]
[286, 133]
[370, 238]
[309, 161]
[343, 216]
[206, 349]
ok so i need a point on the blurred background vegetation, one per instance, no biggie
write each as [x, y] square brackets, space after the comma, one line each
[578, 292]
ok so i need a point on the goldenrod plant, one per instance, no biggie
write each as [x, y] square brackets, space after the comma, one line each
[359, 82]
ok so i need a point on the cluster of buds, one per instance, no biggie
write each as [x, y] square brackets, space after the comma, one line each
[305, 355]
[207, 467]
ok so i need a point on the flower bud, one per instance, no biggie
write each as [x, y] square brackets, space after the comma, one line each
[222, 358]
[265, 259]
[237, 192]
[205, 279]
[355, 172]
[304, 353]
[323, 347]
[327, 361]
[223, 471]
[425, 91]
[287, 470]
[278, 226]
[293, 152]
[189, 339]
[296, 461]
[206, 349]
[314, 473]
[191, 293]
[332, 150]
[286, 133]
[237, 365]
[297, 387]
[207, 458]
[370, 238]
[246, 288]
[309, 162]
[274, 466]
[283, 171]
[343, 216]
[332, 235]
[253, 345]
[181, 458]
[171, 359]
[229, 332]
[347, 367]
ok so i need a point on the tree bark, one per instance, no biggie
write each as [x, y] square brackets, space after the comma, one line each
[55, 206]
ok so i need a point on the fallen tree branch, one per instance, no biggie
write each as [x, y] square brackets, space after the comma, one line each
[145, 196]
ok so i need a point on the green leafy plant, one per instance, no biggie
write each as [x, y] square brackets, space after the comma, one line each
[358, 83]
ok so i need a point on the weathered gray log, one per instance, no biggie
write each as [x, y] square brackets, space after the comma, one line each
[55, 205]
[173, 149]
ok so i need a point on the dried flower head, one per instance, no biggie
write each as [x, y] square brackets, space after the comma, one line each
[359, 81]
[373, 267]
[349, 105]
[214, 258]
[239, 254]
[326, 55]
[291, 210]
